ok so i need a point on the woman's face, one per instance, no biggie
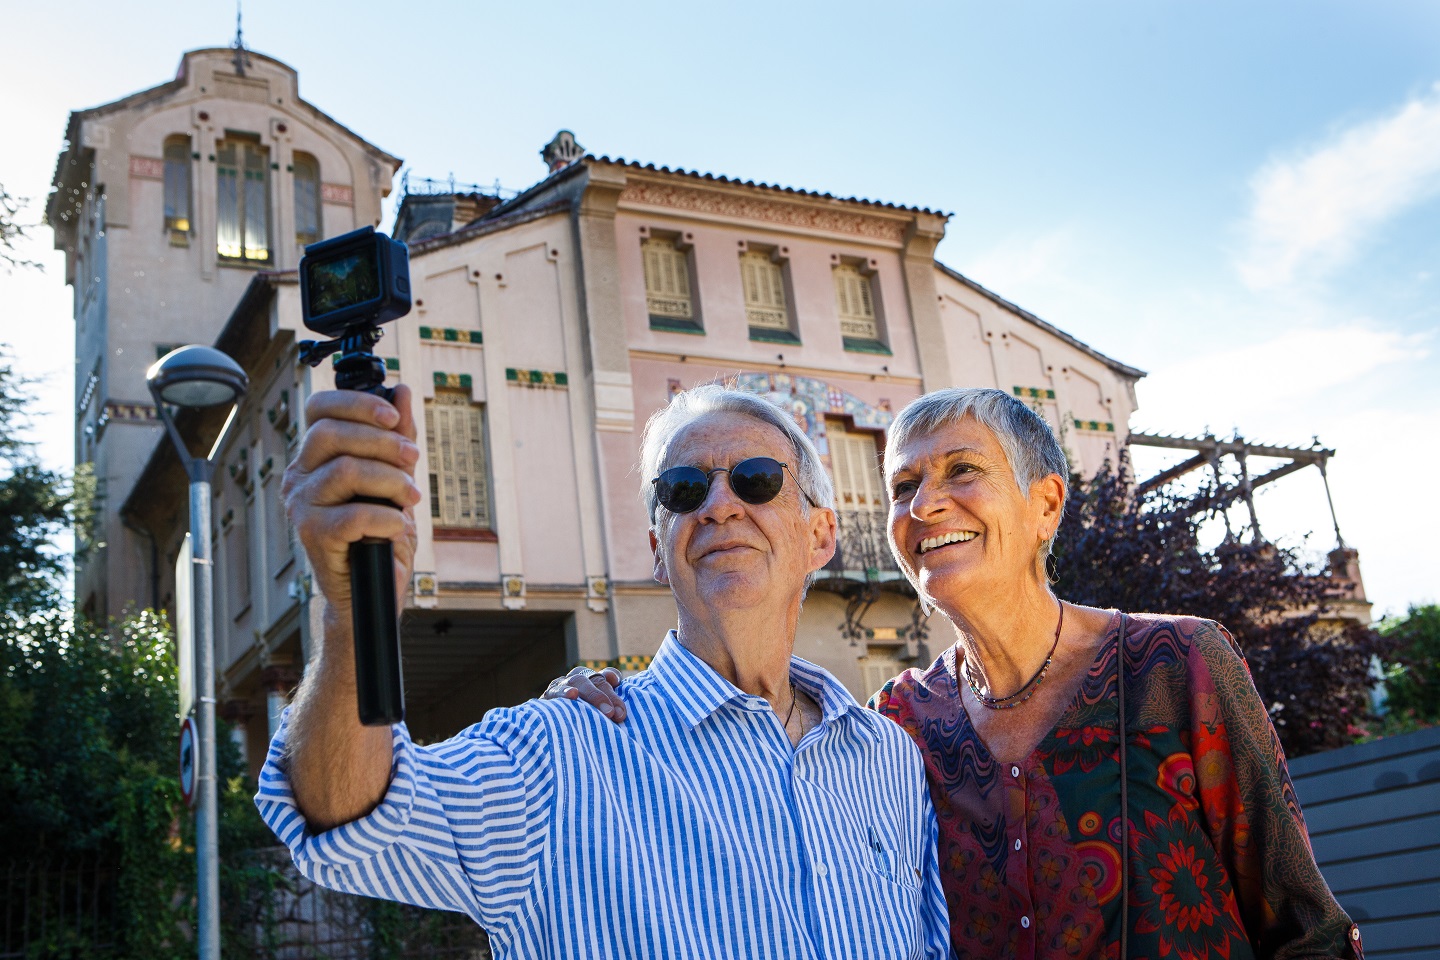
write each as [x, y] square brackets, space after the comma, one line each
[959, 525]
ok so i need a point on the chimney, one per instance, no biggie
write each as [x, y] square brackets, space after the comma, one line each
[562, 151]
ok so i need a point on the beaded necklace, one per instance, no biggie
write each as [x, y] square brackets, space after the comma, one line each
[1024, 693]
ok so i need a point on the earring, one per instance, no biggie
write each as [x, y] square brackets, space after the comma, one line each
[925, 606]
[1052, 568]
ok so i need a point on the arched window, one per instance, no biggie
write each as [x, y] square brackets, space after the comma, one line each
[177, 189]
[307, 199]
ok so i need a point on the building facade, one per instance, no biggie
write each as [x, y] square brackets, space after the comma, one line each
[546, 328]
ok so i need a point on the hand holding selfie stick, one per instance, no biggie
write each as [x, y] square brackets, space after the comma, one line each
[350, 285]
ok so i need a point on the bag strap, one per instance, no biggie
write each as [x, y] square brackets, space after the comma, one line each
[1124, 801]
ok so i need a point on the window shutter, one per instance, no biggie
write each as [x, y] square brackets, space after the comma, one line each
[876, 671]
[307, 199]
[764, 285]
[459, 487]
[855, 461]
[177, 186]
[667, 280]
[228, 238]
[855, 303]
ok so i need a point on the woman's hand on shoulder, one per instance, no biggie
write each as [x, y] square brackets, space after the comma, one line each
[595, 687]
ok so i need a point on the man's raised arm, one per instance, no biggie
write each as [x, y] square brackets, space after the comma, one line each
[355, 445]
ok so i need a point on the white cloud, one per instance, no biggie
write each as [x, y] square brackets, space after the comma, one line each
[1311, 211]
[1270, 378]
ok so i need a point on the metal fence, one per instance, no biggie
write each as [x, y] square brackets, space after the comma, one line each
[1373, 811]
[296, 919]
[61, 908]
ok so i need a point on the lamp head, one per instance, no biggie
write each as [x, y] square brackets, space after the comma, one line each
[196, 376]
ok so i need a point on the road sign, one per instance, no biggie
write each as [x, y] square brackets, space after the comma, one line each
[189, 760]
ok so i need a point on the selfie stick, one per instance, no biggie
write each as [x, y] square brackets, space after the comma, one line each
[379, 689]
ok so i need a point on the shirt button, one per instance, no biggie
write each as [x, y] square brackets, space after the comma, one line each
[821, 870]
[1015, 772]
[1354, 933]
[1017, 844]
[1025, 922]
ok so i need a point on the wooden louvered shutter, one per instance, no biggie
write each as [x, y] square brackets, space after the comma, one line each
[764, 285]
[855, 303]
[667, 280]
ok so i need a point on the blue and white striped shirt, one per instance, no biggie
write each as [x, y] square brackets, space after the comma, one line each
[690, 830]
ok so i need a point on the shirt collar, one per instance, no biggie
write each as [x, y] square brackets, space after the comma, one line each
[698, 691]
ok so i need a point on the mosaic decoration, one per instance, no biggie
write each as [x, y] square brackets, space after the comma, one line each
[1035, 393]
[461, 381]
[450, 335]
[537, 378]
[129, 412]
[1095, 426]
[808, 400]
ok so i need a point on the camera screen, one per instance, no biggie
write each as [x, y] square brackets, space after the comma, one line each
[343, 282]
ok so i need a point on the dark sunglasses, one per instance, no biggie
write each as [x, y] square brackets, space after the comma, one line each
[756, 480]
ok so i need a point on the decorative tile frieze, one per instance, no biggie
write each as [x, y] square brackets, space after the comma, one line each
[337, 193]
[537, 378]
[1034, 393]
[455, 381]
[1095, 426]
[451, 335]
[130, 412]
[392, 364]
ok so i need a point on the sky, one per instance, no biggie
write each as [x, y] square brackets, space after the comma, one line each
[1241, 199]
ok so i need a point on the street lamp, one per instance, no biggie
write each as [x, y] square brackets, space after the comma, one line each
[193, 377]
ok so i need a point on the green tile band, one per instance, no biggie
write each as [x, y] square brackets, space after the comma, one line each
[1035, 393]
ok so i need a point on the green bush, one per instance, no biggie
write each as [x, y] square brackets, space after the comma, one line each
[1412, 673]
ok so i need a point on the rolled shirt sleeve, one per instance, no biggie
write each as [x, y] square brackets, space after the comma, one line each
[464, 825]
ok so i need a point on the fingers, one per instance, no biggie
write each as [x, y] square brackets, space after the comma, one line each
[598, 689]
[333, 437]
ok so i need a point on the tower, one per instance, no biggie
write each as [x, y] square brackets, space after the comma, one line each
[167, 203]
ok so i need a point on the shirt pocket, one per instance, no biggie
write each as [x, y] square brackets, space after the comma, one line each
[888, 861]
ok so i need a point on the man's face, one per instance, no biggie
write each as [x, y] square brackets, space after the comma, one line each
[729, 554]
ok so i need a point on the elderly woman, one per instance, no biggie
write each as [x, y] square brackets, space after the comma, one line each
[1036, 789]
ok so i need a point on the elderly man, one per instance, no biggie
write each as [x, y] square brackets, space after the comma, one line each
[749, 807]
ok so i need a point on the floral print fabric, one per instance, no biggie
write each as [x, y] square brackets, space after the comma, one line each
[1220, 863]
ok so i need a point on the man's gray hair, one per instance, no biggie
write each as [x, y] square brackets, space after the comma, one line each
[1029, 443]
[694, 403]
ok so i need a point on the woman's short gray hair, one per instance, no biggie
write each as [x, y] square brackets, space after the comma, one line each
[1026, 438]
[694, 403]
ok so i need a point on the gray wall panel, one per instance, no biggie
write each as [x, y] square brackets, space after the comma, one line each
[1373, 812]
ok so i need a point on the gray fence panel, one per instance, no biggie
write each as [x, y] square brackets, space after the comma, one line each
[1373, 812]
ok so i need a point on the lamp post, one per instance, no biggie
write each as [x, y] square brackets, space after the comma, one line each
[193, 377]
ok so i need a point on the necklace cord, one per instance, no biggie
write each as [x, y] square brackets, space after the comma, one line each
[1028, 690]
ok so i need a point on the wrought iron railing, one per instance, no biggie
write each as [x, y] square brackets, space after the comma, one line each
[425, 187]
[58, 908]
[862, 551]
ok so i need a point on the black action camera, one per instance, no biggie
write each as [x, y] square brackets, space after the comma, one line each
[349, 285]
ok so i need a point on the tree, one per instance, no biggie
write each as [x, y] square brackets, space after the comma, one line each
[1412, 677]
[1144, 553]
[11, 231]
[34, 508]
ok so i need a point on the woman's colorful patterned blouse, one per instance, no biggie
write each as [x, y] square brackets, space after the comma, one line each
[1220, 863]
